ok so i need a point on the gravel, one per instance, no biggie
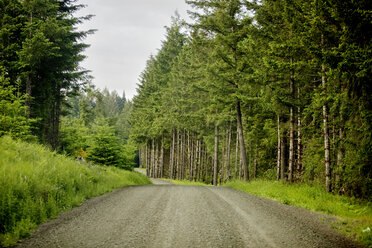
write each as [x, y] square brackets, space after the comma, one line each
[186, 216]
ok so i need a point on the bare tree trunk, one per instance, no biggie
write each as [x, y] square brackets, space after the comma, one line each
[147, 159]
[291, 130]
[192, 160]
[325, 128]
[243, 153]
[291, 146]
[171, 160]
[189, 154]
[152, 158]
[198, 162]
[340, 151]
[195, 158]
[215, 163]
[326, 138]
[181, 156]
[140, 158]
[228, 172]
[205, 165]
[222, 167]
[279, 151]
[201, 167]
[200, 171]
[255, 162]
[237, 156]
[282, 158]
[184, 156]
[162, 157]
[177, 172]
[156, 167]
[299, 137]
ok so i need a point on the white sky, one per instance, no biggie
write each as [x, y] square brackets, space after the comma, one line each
[129, 31]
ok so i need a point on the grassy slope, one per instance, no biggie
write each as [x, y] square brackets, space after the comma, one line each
[353, 216]
[37, 184]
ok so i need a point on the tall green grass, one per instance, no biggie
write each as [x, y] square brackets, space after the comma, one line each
[37, 184]
[353, 216]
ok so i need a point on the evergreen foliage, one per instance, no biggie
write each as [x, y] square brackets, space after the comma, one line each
[283, 82]
[40, 52]
[97, 129]
[13, 112]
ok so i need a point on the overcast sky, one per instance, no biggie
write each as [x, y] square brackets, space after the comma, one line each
[129, 31]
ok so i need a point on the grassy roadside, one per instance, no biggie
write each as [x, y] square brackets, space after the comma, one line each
[185, 182]
[354, 217]
[37, 184]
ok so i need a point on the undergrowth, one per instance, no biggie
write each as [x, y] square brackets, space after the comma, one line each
[37, 184]
[354, 216]
[186, 182]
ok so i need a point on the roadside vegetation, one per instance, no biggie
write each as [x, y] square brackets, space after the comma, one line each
[354, 217]
[37, 184]
[186, 182]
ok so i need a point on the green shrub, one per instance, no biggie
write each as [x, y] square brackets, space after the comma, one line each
[13, 112]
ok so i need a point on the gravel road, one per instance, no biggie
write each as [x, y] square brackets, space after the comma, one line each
[185, 216]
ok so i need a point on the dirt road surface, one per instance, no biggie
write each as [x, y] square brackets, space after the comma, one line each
[185, 216]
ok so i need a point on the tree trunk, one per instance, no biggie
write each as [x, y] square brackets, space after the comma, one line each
[291, 131]
[189, 155]
[228, 173]
[243, 153]
[147, 159]
[279, 151]
[282, 158]
[198, 161]
[215, 162]
[156, 167]
[140, 156]
[205, 165]
[152, 158]
[195, 158]
[223, 160]
[326, 138]
[162, 157]
[182, 164]
[237, 156]
[177, 172]
[299, 137]
[192, 155]
[325, 128]
[340, 151]
[171, 160]
[255, 163]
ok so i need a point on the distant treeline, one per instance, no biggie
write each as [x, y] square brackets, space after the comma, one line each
[273, 89]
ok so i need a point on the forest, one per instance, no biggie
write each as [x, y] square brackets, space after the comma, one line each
[261, 96]
[46, 96]
[278, 90]
[62, 140]
[249, 89]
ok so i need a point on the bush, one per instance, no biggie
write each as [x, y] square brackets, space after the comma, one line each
[105, 148]
[13, 112]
